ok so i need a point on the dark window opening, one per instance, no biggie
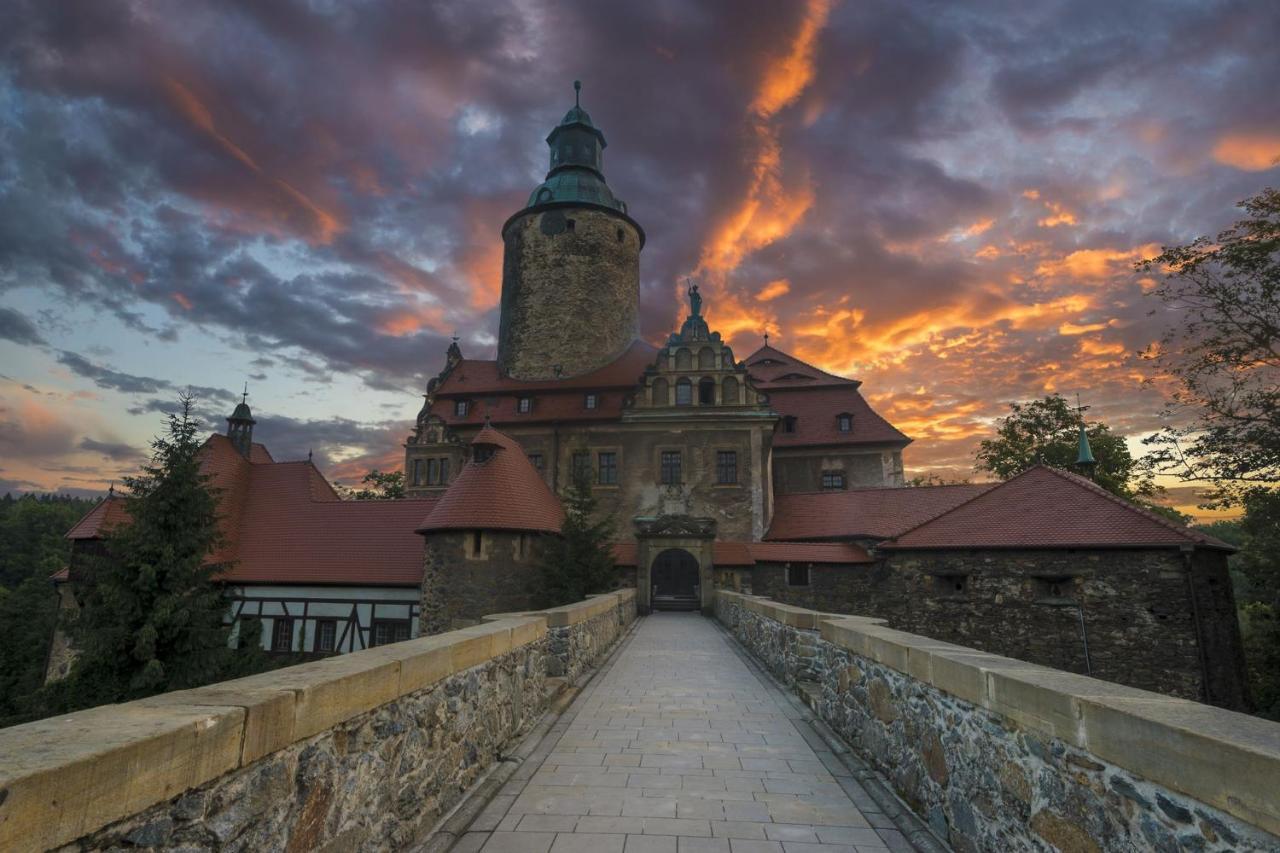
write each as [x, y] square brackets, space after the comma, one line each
[621, 236]
[524, 405]
[590, 401]
[684, 393]
[707, 392]
[482, 453]
[844, 423]
[417, 472]
[726, 466]
[581, 465]
[570, 224]
[798, 575]
[535, 459]
[326, 635]
[282, 635]
[477, 543]
[789, 424]
[832, 480]
[951, 584]
[607, 469]
[386, 631]
[1054, 587]
[670, 468]
[460, 408]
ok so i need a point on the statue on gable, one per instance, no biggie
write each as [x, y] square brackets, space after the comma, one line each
[695, 301]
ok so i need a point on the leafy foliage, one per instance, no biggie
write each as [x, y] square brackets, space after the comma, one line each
[1260, 629]
[579, 562]
[1222, 354]
[1047, 431]
[381, 486]
[151, 619]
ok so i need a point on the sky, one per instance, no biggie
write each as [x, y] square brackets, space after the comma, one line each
[944, 200]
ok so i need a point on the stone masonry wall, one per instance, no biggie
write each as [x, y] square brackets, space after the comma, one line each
[458, 589]
[1002, 755]
[1131, 609]
[359, 751]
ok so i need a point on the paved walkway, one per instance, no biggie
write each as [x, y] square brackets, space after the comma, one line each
[680, 748]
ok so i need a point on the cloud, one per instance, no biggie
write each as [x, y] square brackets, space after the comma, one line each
[115, 451]
[109, 379]
[17, 328]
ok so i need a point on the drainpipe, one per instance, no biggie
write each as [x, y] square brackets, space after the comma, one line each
[1187, 552]
[555, 457]
[1084, 637]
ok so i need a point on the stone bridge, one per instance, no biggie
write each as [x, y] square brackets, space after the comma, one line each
[766, 728]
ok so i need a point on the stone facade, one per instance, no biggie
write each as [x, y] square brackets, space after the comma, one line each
[468, 573]
[1127, 616]
[800, 469]
[570, 291]
[999, 755]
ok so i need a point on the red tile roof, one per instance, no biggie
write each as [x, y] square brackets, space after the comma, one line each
[1046, 507]
[863, 513]
[772, 368]
[504, 492]
[730, 554]
[107, 513]
[815, 411]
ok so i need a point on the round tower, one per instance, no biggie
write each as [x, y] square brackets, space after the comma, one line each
[570, 266]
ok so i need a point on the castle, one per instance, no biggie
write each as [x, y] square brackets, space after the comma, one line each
[754, 472]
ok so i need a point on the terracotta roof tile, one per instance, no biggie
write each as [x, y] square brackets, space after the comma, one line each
[816, 411]
[107, 513]
[1046, 507]
[504, 492]
[863, 513]
[772, 368]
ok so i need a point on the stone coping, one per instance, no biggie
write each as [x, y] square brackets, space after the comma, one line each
[578, 612]
[1226, 759]
[64, 777]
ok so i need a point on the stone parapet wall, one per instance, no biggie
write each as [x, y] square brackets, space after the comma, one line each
[999, 754]
[579, 633]
[360, 751]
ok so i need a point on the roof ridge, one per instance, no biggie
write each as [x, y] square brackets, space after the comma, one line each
[1085, 482]
[965, 502]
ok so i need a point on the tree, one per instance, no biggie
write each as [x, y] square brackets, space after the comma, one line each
[1222, 354]
[151, 617]
[381, 486]
[580, 560]
[1047, 431]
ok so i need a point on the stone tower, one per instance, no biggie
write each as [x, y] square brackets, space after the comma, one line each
[571, 265]
[240, 427]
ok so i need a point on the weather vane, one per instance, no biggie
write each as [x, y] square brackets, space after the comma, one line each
[577, 92]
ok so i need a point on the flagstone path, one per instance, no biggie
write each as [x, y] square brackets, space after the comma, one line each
[678, 747]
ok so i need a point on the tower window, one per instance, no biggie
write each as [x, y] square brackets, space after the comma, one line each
[670, 468]
[475, 545]
[684, 392]
[460, 408]
[798, 575]
[524, 405]
[726, 467]
[844, 422]
[789, 424]
[590, 401]
[570, 224]
[621, 236]
[607, 468]
[535, 459]
[482, 453]
[832, 480]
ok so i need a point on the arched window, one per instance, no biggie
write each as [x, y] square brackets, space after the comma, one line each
[729, 391]
[706, 358]
[684, 359]
[660, 395]
[684, 392]
[707, 392]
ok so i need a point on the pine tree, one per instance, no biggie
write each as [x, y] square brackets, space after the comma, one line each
[151, 617]
[579, 562]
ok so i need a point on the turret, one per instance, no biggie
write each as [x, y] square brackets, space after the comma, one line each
[570, 266]
[240, 426]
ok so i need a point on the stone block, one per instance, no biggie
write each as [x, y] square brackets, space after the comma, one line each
[1230, 761]
[527, 630]
[477, 644]
[67, 776]
[1044, 699]
[269, 713]
[423, 661]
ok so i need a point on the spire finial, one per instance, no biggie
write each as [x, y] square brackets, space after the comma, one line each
[309, 452]
[577, 91]
[245, 397]
[111, 489]
[766, 338]
[1084, 453]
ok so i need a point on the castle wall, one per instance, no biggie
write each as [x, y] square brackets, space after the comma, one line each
[461, 584]
[1131, 608]
[570, 291]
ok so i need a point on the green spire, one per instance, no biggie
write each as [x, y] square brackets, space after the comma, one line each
[1084, 453]
[577, 162]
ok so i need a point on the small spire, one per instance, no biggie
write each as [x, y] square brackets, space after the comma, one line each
[111, 489]
[1084, 453]
[309, 452]
[577, 91]
[245, 397]
[766, 338]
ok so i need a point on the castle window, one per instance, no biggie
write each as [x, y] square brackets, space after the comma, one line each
[282, 635]
[444, 471]
[590, 401]
[661, 393]
[621, 235]
[475, 545]
[729, 391]
[417, 472]
[951, 584]
[1057, 587]
[387, 631]
[684, 359]
[535, 459]
[684, 392]
[798, 575]
[607, 468]
[707, 392]
[433, 472]
[726, 467]
[482, 453]
[524, 405]
[670, 468]
[581, 465]
[844, 422]
[706, 358]
[789, 424]
[570, 224]
[460, 408]
[832, 480]
[326, 635]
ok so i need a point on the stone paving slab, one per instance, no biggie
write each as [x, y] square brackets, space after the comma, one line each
[678, 747]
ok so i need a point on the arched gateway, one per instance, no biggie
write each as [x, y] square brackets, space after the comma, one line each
[675, 581]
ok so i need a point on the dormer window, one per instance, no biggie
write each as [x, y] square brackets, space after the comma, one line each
[844, 422]
[590, 401]
[460, 408]
[524, 405]
[789, 424]
[482, 452]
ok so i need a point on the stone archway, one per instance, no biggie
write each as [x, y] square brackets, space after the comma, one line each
[676, 581]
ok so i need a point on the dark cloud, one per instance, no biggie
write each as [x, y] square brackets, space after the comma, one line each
[17, 328]
[112, 380]
[114, 451]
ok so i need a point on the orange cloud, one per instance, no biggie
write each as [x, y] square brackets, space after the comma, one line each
[1249, 151]
[1059, 216]
[1095, 264]
[181, 299]
[1073, 329]
[774, 289]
